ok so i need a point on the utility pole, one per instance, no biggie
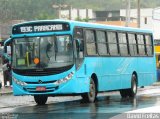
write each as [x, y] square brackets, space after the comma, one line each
[59, 11]
[70, 12]
[128, 6]
[138, 14]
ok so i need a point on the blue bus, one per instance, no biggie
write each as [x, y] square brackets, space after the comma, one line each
[61, 57]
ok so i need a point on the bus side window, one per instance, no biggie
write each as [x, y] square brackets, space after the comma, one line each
[78, 37]
[141, 45]
[149, 46]
[79, 46]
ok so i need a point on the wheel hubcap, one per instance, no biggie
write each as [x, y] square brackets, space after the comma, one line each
[92, 90]
[134, 87]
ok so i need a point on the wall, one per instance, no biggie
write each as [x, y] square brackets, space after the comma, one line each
[150, 24]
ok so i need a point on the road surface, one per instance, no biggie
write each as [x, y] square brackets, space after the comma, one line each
[107, 105]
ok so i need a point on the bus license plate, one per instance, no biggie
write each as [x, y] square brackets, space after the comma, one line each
[40, 88]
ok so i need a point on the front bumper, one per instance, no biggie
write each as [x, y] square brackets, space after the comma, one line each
[73, 86]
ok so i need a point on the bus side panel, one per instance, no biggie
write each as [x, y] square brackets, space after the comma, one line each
[107, 71]
[93, 65]
[146, 71]
[117, 73]
[127, 66]
[110, 75]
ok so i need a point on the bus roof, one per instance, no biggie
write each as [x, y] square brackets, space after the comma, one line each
[90, 25]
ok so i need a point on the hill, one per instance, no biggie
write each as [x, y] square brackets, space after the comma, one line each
[42, 9]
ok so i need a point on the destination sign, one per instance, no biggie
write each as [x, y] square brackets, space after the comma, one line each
[39, 27]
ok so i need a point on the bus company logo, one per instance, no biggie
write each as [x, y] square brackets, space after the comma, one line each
[40, 82]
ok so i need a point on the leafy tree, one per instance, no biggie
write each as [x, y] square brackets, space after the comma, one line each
[42, 9]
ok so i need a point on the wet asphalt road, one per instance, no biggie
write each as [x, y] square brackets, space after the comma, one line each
[106, 106]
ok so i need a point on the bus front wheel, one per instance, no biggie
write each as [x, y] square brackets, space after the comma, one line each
[91, 95]
[40, 99]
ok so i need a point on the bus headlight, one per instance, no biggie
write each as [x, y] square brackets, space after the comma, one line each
[67, 78]
[19, 82]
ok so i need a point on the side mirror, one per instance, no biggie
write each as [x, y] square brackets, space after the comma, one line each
[9, 50]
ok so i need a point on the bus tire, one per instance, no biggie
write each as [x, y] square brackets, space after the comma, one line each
[124, 93]
[134, 84]
[40, 99]
[91, 95]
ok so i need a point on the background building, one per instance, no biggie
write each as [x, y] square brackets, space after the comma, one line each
[74, 14]
[146, 20]
[119, 18]
[113, 18]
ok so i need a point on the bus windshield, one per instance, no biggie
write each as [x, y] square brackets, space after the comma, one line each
[42, 52]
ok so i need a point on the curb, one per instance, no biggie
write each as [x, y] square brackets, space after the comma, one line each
[156, 84]
[6, 93]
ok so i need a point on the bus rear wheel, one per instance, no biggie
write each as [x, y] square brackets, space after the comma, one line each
[131, 92]
[40, 99]
[91, 95]
[124, 93]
